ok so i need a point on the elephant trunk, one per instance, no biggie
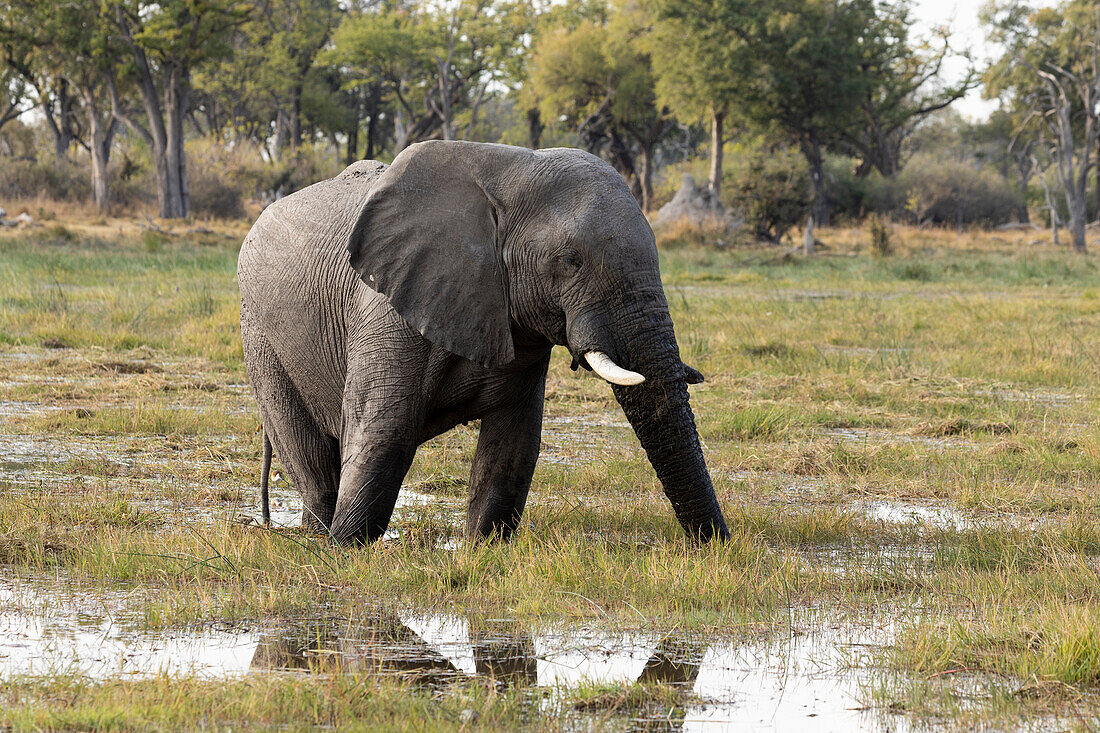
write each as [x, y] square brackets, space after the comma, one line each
[661, 416]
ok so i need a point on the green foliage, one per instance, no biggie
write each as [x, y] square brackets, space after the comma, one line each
[881, 243]
[596, 78]
[278, 92]
[770, 186]
[932, 189]
[152, 241]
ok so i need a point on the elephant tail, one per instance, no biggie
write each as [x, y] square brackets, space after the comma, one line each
[265, 472]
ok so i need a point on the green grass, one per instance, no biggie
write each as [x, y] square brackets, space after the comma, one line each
[960, 372]
[344, 701]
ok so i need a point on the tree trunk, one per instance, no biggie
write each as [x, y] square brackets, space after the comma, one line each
[1097, 182]
[295, 131]
[62, 129]
[282, 127]
[372, 126]
[534, 128]
[400, 132]
[102, 133]
[814, 158]
[646, 176]
[373, 103]
[808, 239]
[714, 182]
[1078, 216]
[177, 202]
[165, 133]
[101, 155]
[353, 141]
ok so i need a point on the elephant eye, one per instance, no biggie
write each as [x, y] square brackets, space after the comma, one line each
[570, 261]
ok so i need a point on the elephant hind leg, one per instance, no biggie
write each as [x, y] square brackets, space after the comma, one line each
[309, 455]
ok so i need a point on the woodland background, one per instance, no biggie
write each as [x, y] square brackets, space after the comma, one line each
[790, 112]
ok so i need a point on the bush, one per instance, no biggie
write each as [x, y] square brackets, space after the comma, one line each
[27, 179]
[221, 179]
[770, 186]
[211, 196]
[881, 245]
[932, 190]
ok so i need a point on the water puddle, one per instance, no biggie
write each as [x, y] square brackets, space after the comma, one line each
[811, 673]
[863, 436]
[1038, 396]
[935, 517]
[804, 681]
[938, 517]
[287, 508]
[92, 637]
[886, 563]
[569, 439]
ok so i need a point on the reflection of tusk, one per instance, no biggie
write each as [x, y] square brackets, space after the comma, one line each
[601, 364]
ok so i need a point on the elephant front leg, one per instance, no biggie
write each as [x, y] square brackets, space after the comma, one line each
[382, 422]
[374, 465]
[500, 478]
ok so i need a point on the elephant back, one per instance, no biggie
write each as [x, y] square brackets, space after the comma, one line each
[308, 227]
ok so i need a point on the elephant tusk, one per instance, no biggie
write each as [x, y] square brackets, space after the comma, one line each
[602, 364]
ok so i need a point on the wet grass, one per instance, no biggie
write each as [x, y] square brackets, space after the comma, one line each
[343, 701]
[959, 373]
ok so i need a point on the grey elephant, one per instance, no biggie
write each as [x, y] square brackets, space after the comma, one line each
[387, 305]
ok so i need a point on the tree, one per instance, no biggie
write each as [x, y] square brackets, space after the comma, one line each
[164, 42]
[434, 64]
[904, 87]
[800, 69]
[70, 47]
[13, 96]
[1003, 142]
[288, 36]
[701, 71]
[382, 53]
[1051, 68]
[598, 79]
[23, 39]
[825, 74]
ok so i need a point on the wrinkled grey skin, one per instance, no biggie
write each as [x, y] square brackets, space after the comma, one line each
[387, 305]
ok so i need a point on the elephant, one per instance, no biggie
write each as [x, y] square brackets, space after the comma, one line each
[385, 306]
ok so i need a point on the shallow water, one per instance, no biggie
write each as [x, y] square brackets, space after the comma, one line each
[62, 633]
[935, 517]
[811, 674]
[885, 437]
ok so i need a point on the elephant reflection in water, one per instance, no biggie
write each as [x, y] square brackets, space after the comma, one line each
[674, 662]
[386, 644]
[380, 644]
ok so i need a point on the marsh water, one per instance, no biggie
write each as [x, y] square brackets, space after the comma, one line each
[813, 672]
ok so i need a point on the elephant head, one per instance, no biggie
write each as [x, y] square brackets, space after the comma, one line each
[487, 248]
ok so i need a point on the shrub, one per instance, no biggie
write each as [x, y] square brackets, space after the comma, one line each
[211, 196]
[222, 178]
[881, 244]
[27, 179]
[932, 190]
[152, 240]
[770, 186]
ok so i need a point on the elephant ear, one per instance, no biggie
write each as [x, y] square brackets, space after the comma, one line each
[427, 239]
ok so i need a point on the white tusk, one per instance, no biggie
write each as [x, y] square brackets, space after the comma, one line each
[601, 364]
